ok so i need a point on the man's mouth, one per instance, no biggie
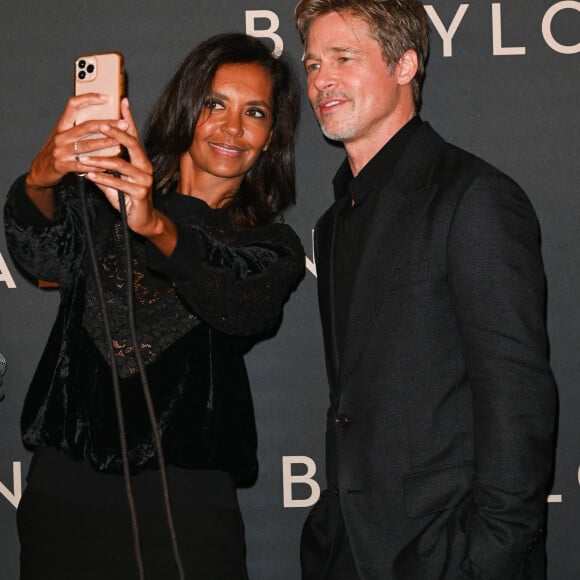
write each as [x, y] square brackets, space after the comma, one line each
[329, 104]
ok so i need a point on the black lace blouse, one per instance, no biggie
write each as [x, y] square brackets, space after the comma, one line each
[197, 313]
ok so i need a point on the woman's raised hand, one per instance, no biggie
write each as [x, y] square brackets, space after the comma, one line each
[133, 176]
[61, 152]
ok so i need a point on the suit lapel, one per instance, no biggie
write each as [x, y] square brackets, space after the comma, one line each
[325, 239]
[400, 204]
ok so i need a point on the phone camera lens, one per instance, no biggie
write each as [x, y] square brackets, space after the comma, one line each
[91, 68]
[82, 63]
[82, 75]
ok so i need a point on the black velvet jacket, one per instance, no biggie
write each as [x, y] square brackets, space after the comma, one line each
[197, 312]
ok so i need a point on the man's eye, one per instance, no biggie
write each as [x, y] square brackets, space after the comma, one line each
[311, 67]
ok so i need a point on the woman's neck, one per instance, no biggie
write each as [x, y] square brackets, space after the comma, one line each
[212, 189]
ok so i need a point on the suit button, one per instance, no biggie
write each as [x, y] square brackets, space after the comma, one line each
[535, 540]
[342, 421]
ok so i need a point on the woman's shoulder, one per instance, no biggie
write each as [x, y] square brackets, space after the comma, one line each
[275, 233]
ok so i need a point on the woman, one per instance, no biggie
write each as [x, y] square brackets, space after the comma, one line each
[211, 268]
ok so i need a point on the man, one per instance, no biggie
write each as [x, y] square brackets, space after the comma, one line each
[432, 297]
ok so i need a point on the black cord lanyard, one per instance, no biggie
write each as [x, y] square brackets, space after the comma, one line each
[116, 386]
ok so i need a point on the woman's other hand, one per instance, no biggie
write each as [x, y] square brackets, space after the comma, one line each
[133, 176]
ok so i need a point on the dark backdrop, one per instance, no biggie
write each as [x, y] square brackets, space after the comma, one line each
[503, 81]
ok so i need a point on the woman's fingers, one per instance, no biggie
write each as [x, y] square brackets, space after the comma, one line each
[110, 181]
[137, 187]
[79, 147]
[81, 137]
[137, 156]
[69, 116]
[127, 172]
[68, 141]
[132, 174]
[127, 115]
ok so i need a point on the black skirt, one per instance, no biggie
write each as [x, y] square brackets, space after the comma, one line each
[74, 523]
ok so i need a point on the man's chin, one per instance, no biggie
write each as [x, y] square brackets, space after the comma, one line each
[335, 133]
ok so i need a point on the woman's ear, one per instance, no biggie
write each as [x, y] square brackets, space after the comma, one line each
[265, 148]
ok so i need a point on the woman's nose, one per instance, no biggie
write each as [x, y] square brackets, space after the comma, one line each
[232, 125]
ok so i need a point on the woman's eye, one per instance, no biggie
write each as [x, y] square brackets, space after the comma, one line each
[213, 104]
[258, 113]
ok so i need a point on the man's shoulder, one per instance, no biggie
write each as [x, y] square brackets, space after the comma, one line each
[467, 160]
[465, 170]
[456, 162]
[465, 179]
[462, 177]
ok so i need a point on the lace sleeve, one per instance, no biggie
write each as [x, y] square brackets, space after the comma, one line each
[238, 286]
[47, 249]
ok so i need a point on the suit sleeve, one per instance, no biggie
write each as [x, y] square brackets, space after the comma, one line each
[497, 282]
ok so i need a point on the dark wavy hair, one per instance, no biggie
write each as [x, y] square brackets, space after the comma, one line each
[269, 186]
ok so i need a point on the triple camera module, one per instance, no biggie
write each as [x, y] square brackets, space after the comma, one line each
[85, 69]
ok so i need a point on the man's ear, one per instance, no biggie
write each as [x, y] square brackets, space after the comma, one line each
[407, 67]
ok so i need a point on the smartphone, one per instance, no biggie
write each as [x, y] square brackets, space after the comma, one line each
[100, 73]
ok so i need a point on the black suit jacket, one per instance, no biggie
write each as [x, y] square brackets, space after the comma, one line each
[440, 428]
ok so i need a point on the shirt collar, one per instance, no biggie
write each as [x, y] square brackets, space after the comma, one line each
[377, 172]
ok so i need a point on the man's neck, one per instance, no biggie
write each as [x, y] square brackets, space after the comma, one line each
[362, 150]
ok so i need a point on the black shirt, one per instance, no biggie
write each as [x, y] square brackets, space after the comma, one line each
[351, 227]
[196, 313]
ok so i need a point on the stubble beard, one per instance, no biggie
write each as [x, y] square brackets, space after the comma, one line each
[337, 130]
[338, 126]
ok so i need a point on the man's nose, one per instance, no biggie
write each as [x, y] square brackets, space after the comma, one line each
[324, 77]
